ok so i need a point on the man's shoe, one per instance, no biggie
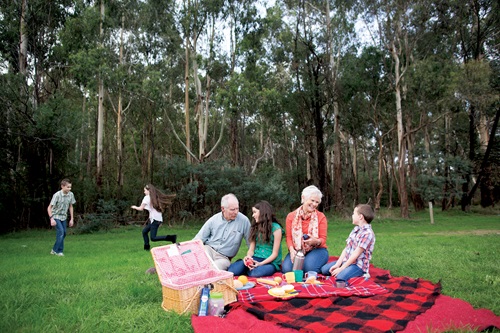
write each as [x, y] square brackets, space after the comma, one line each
[151, 270]
[147, 247]
[171, 238]
[52, 252]
[60, 254]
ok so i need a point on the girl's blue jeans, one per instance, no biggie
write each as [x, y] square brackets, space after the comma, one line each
[313, 261]
[60, 235]
[239, 268]
[153, 229]
[350, 272]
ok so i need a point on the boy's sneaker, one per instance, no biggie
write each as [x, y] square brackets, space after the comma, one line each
[60, 254]
[52, 252]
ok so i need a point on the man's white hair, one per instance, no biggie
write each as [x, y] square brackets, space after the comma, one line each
[228, 198]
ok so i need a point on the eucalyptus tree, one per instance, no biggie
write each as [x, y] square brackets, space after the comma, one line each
[366, 94]
[248, 82]
[399, 26]
[35, 121]
[274, 135]
[320, 37]
[157, 58]
[197, 21]
[475, 25]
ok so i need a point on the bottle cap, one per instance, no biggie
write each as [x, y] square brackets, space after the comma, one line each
[216, 295]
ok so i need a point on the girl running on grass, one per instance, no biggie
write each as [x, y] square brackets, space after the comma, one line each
[155, 202]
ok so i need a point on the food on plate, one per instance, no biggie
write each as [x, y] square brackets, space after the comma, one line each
[278, 291]
[267, 281]
[288, 288]
[237, 284]
[243, 279]
[277, 279]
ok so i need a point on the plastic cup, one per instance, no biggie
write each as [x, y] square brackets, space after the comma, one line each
[340, 284]
[289, 277]
[299, 275]
[311, 275]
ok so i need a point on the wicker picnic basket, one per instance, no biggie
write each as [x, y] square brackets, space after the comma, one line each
[184, 269]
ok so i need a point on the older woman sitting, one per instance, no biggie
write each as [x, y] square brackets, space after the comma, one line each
[307, 220]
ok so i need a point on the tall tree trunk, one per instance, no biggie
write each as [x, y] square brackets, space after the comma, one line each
[338, 197]
[416, 198]
[485, 166]
[100, 110]
[186, 92]
[447, 195]
[466, 197]
[403, 194]
[368, 169]
[354, 154]
[23, 39]
[320, 146]
[119, 115]
[380, 173]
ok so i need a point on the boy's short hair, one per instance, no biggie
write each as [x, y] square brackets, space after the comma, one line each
[65, 182]
[366, 211]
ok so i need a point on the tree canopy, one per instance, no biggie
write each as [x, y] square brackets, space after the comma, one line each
[390, 102]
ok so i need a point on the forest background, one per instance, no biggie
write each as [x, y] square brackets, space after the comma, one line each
[391, 102]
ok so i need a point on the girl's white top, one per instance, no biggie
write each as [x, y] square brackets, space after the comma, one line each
[153, 213]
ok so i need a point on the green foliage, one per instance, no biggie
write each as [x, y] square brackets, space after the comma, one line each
[103, 219]
[272, 98]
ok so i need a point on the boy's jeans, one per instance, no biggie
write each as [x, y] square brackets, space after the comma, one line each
[350, 272]
[60, 235]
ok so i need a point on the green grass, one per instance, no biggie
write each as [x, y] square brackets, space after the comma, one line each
[100, 284]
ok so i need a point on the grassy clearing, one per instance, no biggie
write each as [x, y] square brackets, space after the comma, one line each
[101, 286]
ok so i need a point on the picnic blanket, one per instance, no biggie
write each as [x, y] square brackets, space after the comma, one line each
[357, 287]
[405, 299]
[409, 306]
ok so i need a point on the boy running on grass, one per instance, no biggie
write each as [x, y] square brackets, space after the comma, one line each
[355, 258]
[58, 213]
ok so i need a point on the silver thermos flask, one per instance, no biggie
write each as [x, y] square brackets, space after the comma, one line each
[298, 262]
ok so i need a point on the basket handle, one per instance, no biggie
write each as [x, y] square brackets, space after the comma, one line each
[196, 295]
[227, 284]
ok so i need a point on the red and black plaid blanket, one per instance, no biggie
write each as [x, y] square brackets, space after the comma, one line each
[389, 312]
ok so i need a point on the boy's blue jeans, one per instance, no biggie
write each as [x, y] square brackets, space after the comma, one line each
[349, 272]
[60, 235]
[239, 268]
[313, 261]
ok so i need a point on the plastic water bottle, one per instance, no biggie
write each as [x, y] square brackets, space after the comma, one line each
[216, 304]
[204, 299]
[298, 262]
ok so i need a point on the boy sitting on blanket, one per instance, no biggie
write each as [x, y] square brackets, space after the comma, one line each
[355, 258]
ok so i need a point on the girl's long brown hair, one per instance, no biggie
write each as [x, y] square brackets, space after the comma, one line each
[159, 200]
[264, 228]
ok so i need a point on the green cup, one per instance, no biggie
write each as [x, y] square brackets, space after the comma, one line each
[299, 275]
